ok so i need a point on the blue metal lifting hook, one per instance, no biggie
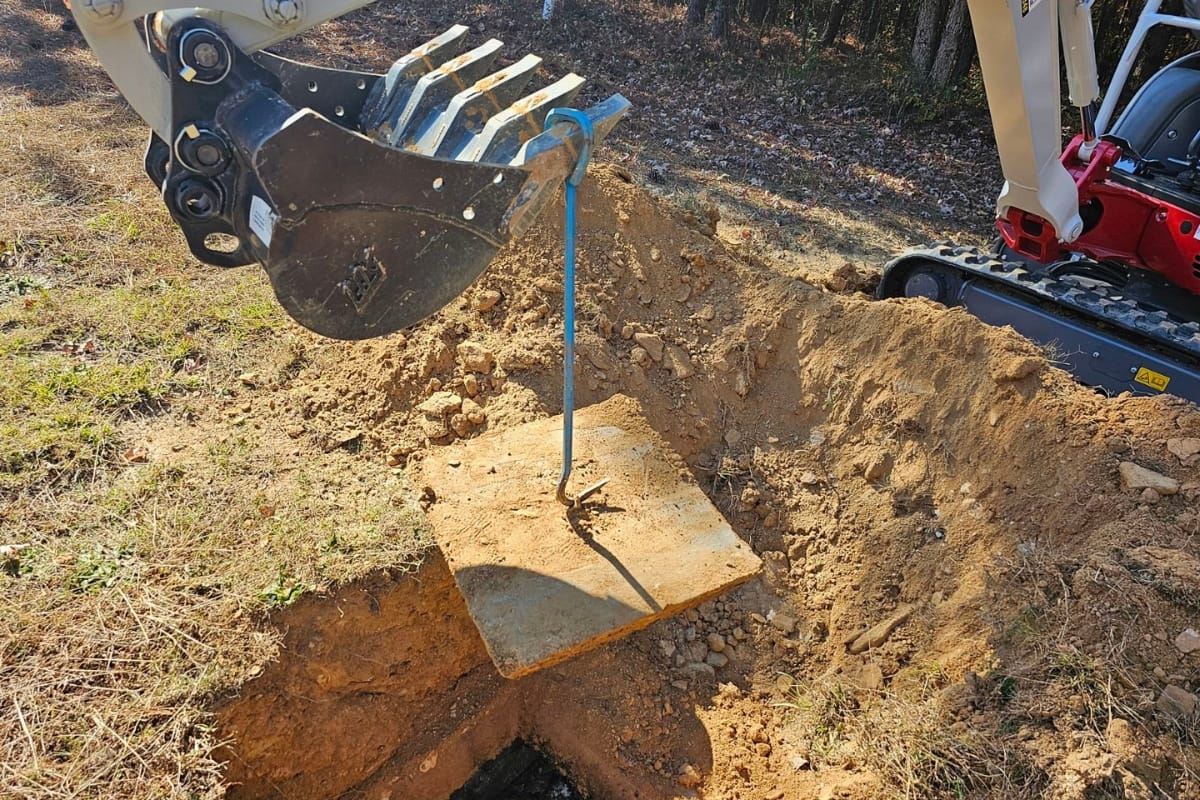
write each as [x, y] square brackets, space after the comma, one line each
[579, 118]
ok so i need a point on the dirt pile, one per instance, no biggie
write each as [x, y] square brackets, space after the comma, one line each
[961, 594]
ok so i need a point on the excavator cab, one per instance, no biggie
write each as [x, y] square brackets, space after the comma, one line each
[372, 200]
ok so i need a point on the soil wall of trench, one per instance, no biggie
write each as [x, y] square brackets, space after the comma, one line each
[893, 463]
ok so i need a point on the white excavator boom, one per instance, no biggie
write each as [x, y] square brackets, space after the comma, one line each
[1018, 43]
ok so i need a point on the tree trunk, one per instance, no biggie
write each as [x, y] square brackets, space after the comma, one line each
[696, 9]
[954, 41]
[870, 16]
[930, 16]
[833, 27]
[720, 23]
[756, 12]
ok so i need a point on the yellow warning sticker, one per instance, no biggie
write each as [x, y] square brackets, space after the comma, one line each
[1155, 380]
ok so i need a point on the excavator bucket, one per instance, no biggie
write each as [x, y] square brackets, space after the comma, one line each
[371, 200]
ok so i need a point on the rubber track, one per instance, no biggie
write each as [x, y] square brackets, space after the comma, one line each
[1099, 302]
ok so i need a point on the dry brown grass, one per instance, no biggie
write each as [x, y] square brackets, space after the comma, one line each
[140, 592]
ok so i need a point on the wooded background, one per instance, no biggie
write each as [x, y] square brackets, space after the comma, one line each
[934, 35]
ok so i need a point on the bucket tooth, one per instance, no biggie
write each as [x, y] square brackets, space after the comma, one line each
[397, 84]
[434, 91]
[470, 110]
[507, 131]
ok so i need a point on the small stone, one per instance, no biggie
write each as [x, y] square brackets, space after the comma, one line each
[739, 634]
[1149, 496]
[1137, 477]
[639, 356]
[774, 794]
[707, 313]
[440, 404]
[700, 670]
[655, 253]
[716, 660]
[460, 424]
[1188, 641]
[689, 777]
[487, 300]
[681, 685]
[471, 384]
[784, 623]
[667, 647]
[249, 378]
[627, 332]
[809, 478]
[473, 412]
[763, 749]
[733, 437]
[136, 455]
[1176, 703]
[678, 363]
[799, 762]
[1184, 448]
[876, 469]
[716, 642]
[652, 343]
[870, 677]
[475, 357]
[882, 631]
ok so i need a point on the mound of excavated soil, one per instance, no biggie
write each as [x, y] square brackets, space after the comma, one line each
[962, 593]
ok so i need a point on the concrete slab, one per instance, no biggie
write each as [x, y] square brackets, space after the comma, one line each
[543, 585]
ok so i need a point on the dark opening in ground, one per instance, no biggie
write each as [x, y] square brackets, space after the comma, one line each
[520, 772]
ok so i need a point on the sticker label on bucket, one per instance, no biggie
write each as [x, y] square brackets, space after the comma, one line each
[262, 219]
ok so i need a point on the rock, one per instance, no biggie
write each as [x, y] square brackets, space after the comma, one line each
[809, 478]
[785, 623]
[487, 300]
[651, 343]
[689, 777]
[1188, 641]
[434, 427]
[739, 634]
[475, 357]
[639, 356]
[460, 424]
[774, 794]
[1176, 703]
[678, 363]
[473, 412]
[700, 671]
[681, 685]
[716, 642]
[880, 632]
[870, 677]
[799, 762]
[627, 331]
[1015, 368]
[1149, 496]
[1136, 477]
[440, 404]
[877, 468]
[1185, 449]
[249, 379]
[696, 651]
[763, 749]
[716, 660]
[471, 384]
[707, 313]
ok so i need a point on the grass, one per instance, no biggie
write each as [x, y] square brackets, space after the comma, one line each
[134, 593]
[906, 736]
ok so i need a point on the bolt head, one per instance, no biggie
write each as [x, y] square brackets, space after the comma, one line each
[207, 55]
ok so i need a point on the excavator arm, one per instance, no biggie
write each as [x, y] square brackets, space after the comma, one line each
[372, 200]
[1018, 43]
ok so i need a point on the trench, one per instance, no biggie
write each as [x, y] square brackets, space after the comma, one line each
[384, 690]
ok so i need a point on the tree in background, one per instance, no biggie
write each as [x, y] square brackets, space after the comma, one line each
[936, 34]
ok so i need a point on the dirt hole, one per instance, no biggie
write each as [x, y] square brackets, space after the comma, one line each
[519, 772]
